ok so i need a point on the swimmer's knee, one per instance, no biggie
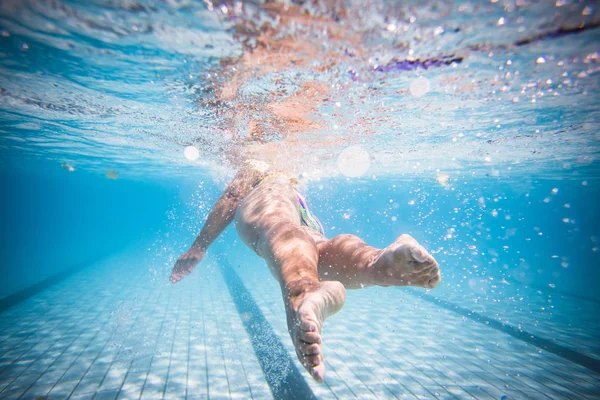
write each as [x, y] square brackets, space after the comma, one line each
[345, 238]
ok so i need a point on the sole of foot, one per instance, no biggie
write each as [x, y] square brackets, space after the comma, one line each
[406, 263]
[312, 310]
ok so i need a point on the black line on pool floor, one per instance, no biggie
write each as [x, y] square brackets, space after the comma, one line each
[545, 344]
[559, 293]
[30, 291]
[283, 377]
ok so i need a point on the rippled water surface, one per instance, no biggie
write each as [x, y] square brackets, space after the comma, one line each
[504, 88]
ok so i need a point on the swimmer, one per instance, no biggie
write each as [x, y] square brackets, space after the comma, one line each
[273, 219]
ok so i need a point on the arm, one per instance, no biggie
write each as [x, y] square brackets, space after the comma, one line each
[223, 211]
[218, 219]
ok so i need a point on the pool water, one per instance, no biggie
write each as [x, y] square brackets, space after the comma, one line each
[472, 126]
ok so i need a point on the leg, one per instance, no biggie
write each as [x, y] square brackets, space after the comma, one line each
[292, 256]
[268, 222]
[348, 259]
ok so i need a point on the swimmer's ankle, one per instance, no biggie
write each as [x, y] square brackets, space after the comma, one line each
[296, 290]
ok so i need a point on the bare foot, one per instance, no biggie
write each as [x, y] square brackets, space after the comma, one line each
[306, 320]
[406, 263]
[186, 264]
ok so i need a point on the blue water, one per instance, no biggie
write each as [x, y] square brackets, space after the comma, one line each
[494, 170]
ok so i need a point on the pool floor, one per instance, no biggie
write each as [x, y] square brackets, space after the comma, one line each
[119, 330]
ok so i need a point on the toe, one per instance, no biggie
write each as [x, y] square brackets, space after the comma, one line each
[418, 253]
[434, 281]
[312, 361]
[307, 325]
[310, 349]
[318, 373]
[310, 337]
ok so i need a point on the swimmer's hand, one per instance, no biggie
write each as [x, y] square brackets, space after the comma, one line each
[186, 263]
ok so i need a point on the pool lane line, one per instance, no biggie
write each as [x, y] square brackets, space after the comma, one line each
[284, 379]
[559, 293]
[30, 291]
[544, 344]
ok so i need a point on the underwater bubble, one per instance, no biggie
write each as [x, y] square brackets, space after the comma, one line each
[554, 190]
[191, 153]
[540, 60]
[419, 87]
[354, 161]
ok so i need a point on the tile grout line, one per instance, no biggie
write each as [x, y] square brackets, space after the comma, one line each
[235, 342]
[115, 355]
[176, 325]
[73, 311]
[30, 291]
[261, 332]
[216, 322]
[542, 343]
[158, 343]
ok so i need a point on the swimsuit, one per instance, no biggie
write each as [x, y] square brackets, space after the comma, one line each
[307, 218]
